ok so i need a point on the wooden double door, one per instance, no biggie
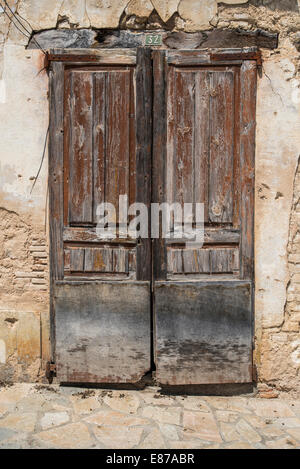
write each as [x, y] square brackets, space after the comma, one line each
[159, 127]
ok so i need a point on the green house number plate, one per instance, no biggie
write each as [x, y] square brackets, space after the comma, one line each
[153, 40]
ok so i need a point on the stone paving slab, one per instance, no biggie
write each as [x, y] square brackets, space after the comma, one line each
[41, 416]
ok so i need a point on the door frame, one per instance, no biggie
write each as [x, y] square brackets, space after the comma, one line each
[58, 58]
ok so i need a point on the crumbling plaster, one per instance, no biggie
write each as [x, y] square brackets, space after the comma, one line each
[24, 121]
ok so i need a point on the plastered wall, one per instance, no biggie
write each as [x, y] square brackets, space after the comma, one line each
[24, 294]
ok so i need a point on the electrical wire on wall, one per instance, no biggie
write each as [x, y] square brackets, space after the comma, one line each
[17, 20]
[42, 161]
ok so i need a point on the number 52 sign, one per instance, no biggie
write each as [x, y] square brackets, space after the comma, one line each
[153, 40]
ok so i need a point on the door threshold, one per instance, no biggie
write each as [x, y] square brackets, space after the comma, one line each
[148, 382]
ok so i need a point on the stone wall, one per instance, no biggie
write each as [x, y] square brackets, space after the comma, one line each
[24, 295]
[277, 153]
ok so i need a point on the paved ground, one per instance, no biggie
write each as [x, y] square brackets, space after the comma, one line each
[34, 416]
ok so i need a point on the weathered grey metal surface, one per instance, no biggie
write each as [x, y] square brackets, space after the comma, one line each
[102, 331]
[203, 332]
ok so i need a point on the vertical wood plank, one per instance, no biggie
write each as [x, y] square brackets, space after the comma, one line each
[98, 260]
[196, 261]
[236, 219]
[132, 260]
[99, 138]
[222, 145]
[66, 144]
[67, 260]
[188, 261]
[120, 261]
[171, 125]
[159, 173]
[202, 145]
[56, 187]
[117, 140]
[56, 193]
[220, 260]
[81, 149]
[144, 153]
[235, 261]
[202, 260]
[77, 260]
[132, 143]
[224, 260]
[184, 137]
[247, 158]
[175, 261]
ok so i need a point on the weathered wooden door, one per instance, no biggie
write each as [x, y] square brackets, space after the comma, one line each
[106, 294]
[204, 153]
[100, 148]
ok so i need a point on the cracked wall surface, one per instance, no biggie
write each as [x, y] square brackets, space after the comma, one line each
[24, 273]
[280, 346]
[24, 295]
[277, 152]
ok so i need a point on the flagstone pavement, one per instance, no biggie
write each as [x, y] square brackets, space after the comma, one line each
[41, 416]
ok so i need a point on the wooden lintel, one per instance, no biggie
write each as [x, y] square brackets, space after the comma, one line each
[217, 55]
[233, 56]
[93, 40]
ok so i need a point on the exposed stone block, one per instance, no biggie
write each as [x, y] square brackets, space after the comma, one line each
[74, 12]
[197, 14]
[166, 8]
[41, 14]
[103, 14]
[21, 343]
[142, 8]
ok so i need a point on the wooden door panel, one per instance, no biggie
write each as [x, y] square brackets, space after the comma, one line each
[117, 180]
[80, 145]
[97, 141]
[99, 160]
[99, 150]
[221, 162]
[96, 260]
[203, 295]
[204, 160]
[183, 139]
[204, 261]
[201, 140]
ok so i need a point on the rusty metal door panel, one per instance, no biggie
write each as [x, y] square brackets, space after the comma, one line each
[102, 331]
[203, 332]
